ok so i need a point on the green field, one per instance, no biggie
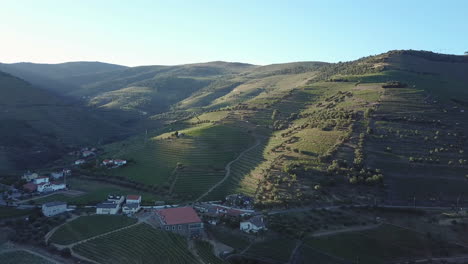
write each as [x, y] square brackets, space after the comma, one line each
[89, 226]
[138, 244]
[21, 256]
[278, 249]
[381, 245]
[9, 212]
[205, 251]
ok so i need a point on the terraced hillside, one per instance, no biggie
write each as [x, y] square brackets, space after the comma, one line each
[138, 244]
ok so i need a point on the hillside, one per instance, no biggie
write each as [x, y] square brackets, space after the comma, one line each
[37, 126]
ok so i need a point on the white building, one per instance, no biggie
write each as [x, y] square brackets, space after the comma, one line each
[41, 180]
[131, 208]
[57, 175]
[50, 187]
[107, 208]
[133, 199]
[254, 224]
[119, 162]
[80, 161]
[118, 199]
[54, 208]
[29, 176]
[87, 153]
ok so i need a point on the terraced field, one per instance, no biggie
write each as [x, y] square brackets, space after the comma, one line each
[279, 250]
[21, 256]
[89, 226]
[205, 251]
[200, 155]
[138, 244]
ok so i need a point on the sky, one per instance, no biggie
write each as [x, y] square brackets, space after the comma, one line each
[153, 32]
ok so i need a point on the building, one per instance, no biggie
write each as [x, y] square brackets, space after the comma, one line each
[107, 208]
[118, 199]
[181, 220]
[87, 153]
[254, 224]
[80, 161]
[133, 199]
[29, 176]
[107, 162]
[57, 175]
[119, 162]
[50, 186]
[131, 208]
[41, 180]
[54, 208]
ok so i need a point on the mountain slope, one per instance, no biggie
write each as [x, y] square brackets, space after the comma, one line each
[37, 126]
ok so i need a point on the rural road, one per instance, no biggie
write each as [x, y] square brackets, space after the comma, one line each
[228, 170]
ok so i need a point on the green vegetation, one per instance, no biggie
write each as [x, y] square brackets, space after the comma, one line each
[276, 249]
[205, 251]
[381, 245]
[9, 212]
[21, 256]
[89, 226]
[140, 243]
[230, 238]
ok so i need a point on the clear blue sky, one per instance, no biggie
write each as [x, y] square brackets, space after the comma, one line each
[140, 32]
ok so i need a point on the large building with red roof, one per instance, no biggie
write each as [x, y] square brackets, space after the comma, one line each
[181, 220]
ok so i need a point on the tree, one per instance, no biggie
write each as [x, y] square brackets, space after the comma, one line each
[466, 53]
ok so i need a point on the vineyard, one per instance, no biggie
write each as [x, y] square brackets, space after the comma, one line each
[89, 226]
[21, 256]
[138, 244]
[205, 251]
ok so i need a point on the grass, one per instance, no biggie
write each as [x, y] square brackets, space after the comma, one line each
[380, 245]
[9, 212]
[276, 249]
[95, 192]
[205, 251]
[21, 256]
[138, 244]
[89, 226]
[230, 238]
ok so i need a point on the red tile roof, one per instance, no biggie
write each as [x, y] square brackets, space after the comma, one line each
[133, 197]
[179, 215]
[30, 186]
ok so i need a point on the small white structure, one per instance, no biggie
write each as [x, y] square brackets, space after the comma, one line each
[80, 161]
[107, 162]
[118, 199]
[132, 199]
[57, 175]
[29, 176]
[131, 208]
[87, 153]
[41, 180]
[119, 162]
[50, 187]
[107, 208]
[254, 224]
[54, 208]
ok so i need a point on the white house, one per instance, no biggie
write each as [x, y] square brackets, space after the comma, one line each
[107, 208]
[131, 208]
[50, 187]
[87, 153]
[57, 175]
[254, 224]
[107, 162]
[80, 161]
[118, 199]
[133, 199]
[40, 180]
[29, 176]
[54, 208]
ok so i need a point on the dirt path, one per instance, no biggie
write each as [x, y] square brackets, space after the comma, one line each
[52, 231]
[69, 193]
[345, 230]
[228, 170]
[294, 252]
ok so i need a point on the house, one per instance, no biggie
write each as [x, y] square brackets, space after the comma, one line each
[29, 176]
[30, 187]
[131, 208]
[57, 175]
[50, 186]
[107, 208]
[67, 172]
[181, 220]
[80, 161]
[254, 224]
[40, 180]
[107, 162]
[54, 208]
[118, 199]
[119, 162]
[87, 153]
[133, 199]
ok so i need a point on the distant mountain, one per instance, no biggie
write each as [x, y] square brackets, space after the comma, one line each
[54, 77]
[37, 126]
